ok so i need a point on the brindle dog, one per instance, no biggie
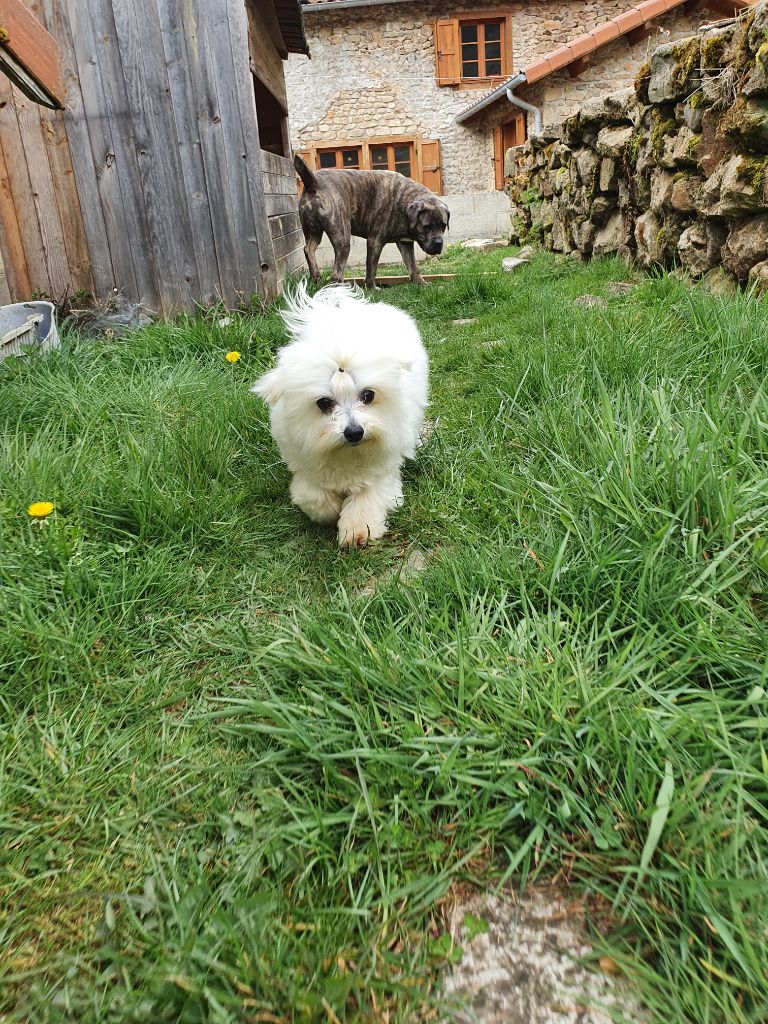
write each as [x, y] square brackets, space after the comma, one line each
[380, 206]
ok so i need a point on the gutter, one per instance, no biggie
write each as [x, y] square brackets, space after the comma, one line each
[340, 5]
[505, 89]
[528, 107]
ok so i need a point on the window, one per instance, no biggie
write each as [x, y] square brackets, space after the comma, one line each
[473, 50]
[480, 48]
[347, 157]
[392, 157]
[412, 157]
[271, 118]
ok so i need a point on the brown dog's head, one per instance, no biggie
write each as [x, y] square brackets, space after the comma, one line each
[427, 220]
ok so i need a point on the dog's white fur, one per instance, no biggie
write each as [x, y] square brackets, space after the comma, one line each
[342, 347]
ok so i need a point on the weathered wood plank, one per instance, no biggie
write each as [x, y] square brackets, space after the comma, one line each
[233, 237]
[284, 224]
[92, 122]
[287, 243]
[67, 199]
[278, 185]
[234, 152]
[94, 18]
[278, 203]
[174, 29]
[264, 42]
[21, 191]
[44, 196]
[244, 112]
[148, 90]
[400, 279]
[15, 260]
[5, 291]
[71, 154]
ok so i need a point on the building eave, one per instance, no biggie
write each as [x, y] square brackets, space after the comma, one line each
[290, 17]
[579, 49]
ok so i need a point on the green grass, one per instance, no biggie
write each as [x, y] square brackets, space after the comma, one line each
[233, 788]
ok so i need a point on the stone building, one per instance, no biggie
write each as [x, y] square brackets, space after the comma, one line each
[419, 86]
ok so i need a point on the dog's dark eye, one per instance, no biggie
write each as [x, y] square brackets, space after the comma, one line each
[325, 404]
[366, 397]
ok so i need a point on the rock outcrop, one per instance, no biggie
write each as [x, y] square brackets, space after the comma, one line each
[674, 171]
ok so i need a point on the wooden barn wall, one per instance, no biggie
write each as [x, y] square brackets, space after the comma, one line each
[266, 48]
[282, 213]
[42, 238]
[163, 140]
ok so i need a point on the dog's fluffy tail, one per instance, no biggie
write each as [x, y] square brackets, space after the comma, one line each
[307, 176]
[300, 305]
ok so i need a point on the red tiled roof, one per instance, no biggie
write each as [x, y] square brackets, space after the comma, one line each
[587, 43]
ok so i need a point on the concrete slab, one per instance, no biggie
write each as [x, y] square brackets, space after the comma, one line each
[524, 970]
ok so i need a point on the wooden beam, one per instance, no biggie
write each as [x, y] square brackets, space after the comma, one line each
[577, 67]
[33, 48]
[637, 35]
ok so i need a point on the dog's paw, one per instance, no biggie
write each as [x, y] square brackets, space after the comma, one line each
[357, 534]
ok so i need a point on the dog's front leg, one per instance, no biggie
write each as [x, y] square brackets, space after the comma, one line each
[409, 259]
[364, 514]
[373, 251]
[320, 505]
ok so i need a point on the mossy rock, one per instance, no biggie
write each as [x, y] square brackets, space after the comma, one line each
[687, 56]
[713, 51]
[746, 122]
[642, 79]
[661, 128]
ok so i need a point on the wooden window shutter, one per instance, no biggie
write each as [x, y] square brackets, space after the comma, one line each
[431, 166]
[447, 66]
[498, 157]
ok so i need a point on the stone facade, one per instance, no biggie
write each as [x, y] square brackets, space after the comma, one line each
[674, 170]
[372, 73]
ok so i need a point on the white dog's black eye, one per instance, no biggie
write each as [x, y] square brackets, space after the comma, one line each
[366, 397]
[325, 404]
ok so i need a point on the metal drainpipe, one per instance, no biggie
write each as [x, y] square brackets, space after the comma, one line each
[529, 107]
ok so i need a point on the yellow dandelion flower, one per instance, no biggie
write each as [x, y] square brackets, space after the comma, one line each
[40, 509]
[232, 357]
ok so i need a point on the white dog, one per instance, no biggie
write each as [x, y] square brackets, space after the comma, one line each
[347, 401]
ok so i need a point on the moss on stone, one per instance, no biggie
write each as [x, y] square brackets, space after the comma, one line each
[633, 149]
[713, 51]
[686, 56]
[642, 79]
[755, 172]
[696, 100]
[660, 129]
[761, 57]
[743, 53]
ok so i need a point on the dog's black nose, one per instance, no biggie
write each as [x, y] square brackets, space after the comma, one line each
[353, 433]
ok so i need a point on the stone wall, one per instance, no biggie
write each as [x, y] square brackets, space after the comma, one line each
[674, 170]
[372, 73]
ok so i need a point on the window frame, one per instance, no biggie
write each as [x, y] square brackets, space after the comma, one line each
[499, 16]
[338, 151]
[365, 146]
[258, 84]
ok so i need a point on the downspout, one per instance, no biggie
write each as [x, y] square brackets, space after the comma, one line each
[519, 79]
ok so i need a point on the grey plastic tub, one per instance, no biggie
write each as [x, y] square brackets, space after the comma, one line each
[27, 324]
